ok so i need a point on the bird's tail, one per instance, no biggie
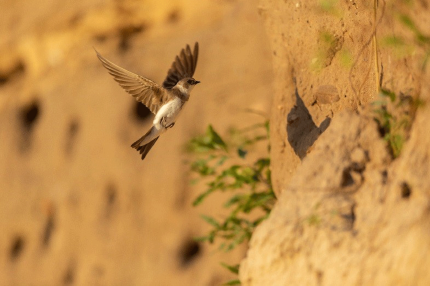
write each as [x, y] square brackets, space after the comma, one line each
[144, 149]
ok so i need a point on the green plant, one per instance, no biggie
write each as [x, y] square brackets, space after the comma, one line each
[329, 44]
[408, 43]
[225, 166]
[330, 7]
[234, 269]
[314, 220]
[394, 117]
[396, 112]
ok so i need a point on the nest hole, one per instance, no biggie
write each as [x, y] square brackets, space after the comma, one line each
[189, 251]
[405, 190]
[141, 112]
[30, 114]
[17, 247]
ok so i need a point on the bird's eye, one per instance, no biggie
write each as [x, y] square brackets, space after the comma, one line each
[190, 81]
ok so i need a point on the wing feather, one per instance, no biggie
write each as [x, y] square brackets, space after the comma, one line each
[189, 58]
[144, 90]
[184, 66]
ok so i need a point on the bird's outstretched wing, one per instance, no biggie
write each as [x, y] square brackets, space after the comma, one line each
[183, 66]
[144, 90]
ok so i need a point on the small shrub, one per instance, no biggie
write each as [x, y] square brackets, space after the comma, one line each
[224, 166]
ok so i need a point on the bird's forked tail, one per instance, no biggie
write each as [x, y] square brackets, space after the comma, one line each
[144, 149]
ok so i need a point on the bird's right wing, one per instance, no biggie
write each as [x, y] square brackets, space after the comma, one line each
[144, 90]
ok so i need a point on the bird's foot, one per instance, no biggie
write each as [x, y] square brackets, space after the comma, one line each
[163, 123]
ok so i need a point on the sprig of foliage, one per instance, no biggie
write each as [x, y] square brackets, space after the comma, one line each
[250, 184]
[408, 44]
[396, 112]
[225, 167]
[234, 269]
[394, 116]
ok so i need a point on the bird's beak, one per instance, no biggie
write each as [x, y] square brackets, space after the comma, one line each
[197, 81]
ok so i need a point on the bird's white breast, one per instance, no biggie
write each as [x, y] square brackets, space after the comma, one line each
[170, 111]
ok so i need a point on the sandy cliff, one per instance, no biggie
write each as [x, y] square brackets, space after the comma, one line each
[348, 212]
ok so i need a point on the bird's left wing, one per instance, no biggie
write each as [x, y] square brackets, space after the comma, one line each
[144, 90]
[183, 66]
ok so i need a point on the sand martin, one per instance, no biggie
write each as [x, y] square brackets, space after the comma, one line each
[166, 101]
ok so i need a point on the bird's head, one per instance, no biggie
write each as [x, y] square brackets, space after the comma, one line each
[185, 85]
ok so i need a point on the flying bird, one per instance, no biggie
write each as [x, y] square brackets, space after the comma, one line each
[165, 101]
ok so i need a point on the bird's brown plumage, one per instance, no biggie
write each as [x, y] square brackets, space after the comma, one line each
[151, 94]
[144, 90]
[184, 66]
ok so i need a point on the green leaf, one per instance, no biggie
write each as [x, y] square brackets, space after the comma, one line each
[394, 41]
[233, 282]
[238, 240]
[201, 238]
[216, 140]
[379, 103]
[221, 161]
[408, 22]
[389, 94]
[234, 199]
[232, 268]
[262, 163]
[201, 167]
[231, 171]
[211, 236]
[314, 219]
[267, 127]
[210, 220]
[201, 197]
[396, 142]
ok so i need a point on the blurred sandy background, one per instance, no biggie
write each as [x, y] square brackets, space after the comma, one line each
[77, 205]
